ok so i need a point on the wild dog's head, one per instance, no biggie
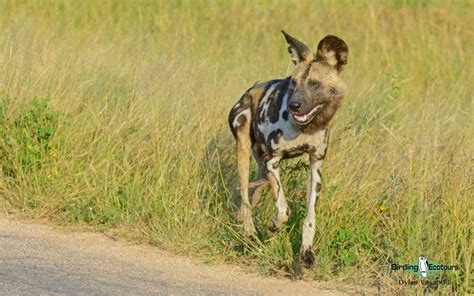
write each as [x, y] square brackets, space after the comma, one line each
[316, 90]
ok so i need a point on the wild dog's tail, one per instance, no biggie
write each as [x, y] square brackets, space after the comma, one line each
[256, 187]
[258, 183]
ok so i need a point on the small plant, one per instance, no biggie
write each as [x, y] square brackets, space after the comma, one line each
[27, 139]
[344, 244]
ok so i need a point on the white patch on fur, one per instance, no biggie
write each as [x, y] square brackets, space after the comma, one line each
[284, 105]
[247, 114]
[281, 203]
[265, 101]
[292, 137]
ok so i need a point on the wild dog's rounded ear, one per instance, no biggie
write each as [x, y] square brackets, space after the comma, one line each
[334, 51]
[298, 50]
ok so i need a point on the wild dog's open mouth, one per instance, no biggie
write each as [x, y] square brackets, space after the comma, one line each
[306, 118]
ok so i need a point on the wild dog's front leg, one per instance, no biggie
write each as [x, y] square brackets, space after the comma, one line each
[314, 187]
[283, 211]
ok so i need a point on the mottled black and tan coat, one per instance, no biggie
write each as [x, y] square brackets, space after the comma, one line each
[285, 118]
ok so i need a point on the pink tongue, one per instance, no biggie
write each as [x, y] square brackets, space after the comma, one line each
[304, 117]
[301, 118]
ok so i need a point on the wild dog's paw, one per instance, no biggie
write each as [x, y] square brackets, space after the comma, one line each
[249, 228]
[244, 215]
[276, 223]
[239, 215]
[307, 257]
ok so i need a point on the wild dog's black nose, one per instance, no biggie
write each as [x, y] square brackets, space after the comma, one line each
[294, 106]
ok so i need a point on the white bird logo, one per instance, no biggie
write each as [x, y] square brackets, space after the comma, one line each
[423, 265]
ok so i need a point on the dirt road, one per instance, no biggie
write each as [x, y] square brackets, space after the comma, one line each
[39, 259]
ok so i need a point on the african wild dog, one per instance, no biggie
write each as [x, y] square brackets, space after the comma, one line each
[285, 118]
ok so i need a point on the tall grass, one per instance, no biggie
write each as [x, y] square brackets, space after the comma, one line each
[114, 115]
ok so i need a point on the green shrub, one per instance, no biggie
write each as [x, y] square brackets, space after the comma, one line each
[27, 136]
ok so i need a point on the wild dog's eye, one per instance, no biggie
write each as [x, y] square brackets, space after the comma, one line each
[314, 83]
[332, 91]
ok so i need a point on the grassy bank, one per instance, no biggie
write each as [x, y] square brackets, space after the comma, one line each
[114, 115]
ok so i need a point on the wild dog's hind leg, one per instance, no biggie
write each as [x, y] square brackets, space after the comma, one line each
[243, 166]
[283, 211]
